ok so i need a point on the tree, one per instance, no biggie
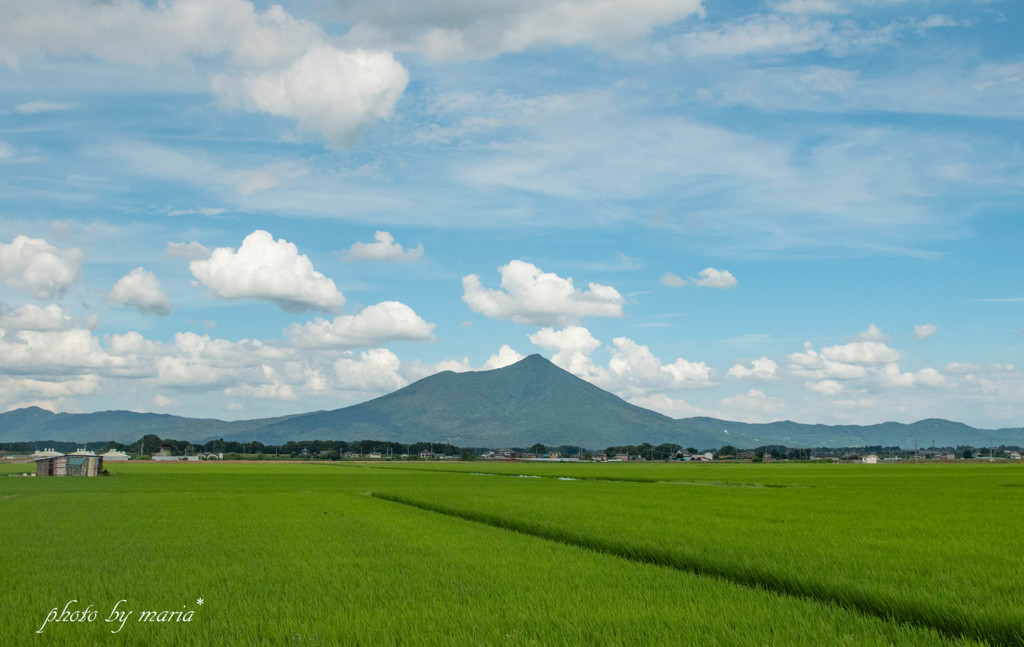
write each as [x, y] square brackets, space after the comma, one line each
[467, 454]
[968, 453]
[727, 451]
[538, 448]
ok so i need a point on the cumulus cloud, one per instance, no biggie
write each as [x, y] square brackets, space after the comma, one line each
[192, 250]
[572, 346]
[873, 333]
[830, 388]
[712, 278]
[35, 265]
[453, 30]
[862, 352]
[269, 270]
[530, 296]
[388, 320]
[33, 317]
[330, 91]
[633, 370]
[924, 331]
[54, 393]
[141, 290]
[506, 356]
[669, 279]
[376, 369]
[385, 249]
[268, 61]
[759, 369]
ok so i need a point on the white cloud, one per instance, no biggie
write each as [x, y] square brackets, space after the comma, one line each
[862, 352]
[33, 317]
[38, 266]
[141, 290]
[808, 6]
[162, 401]
[829, 388]
[759, 369]
[873, 333]
[812, 364]
[669, 279]
[930, 377]
[52, 352]
[376, 369]
[385, 321]
[56, 390]
[531, 296]
[506, 356]
[269, 61]
[633, 370]
[454, 30]
[752, 406]
[572, 346]
[329, 91]
[924, 331]
[270, 270]
[758, 34]
[37, 107]
[385, 249]
[712, 278]
[192, 250]
[671, 407]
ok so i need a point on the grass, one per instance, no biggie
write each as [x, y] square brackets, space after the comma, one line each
[300, 554]
[933, 545]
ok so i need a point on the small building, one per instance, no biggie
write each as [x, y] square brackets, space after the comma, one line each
[621, 457]
[80, 463]
[49, 452]
[1014, 455]
[114, 455]
[870, 459]
[374, 455]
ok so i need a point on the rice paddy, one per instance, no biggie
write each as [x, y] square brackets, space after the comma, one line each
[464, 554]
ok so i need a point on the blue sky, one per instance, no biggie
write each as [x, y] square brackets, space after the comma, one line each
[800, 209]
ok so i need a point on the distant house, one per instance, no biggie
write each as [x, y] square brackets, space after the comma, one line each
[113, 456]
[1014, 455]
[870, 459]
[428, 454]
[49, 452]
[80, 463]
[621, 457]
[600, 456]
[374, 455]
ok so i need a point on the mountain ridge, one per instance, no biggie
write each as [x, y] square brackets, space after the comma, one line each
[518, 405]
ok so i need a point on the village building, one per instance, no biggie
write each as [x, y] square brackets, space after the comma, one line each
[114, 455]
[870, 459]
[80, 463]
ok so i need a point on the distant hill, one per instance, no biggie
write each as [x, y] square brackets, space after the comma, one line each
[528, 402]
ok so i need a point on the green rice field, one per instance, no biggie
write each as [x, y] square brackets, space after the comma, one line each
[515, 554]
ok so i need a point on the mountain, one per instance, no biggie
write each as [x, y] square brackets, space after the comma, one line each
[528, 402]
